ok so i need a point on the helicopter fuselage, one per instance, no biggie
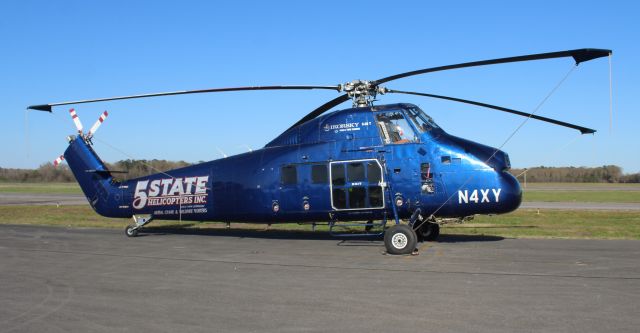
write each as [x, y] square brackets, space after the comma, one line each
[354, 164]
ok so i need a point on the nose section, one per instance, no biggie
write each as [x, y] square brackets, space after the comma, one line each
[512, 193]
[501, 162]
[495, 158]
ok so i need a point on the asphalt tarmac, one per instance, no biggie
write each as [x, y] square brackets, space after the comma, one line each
[85, 280]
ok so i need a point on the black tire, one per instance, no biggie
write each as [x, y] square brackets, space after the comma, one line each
[400, 239]
[131, 231]
[429, 232]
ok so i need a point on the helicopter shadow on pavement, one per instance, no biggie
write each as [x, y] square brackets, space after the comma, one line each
[468, 238]
[372, 240]
[189, 229]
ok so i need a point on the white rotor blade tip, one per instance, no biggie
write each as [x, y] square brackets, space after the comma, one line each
[76, 120]
[95, 126]
[58, 160]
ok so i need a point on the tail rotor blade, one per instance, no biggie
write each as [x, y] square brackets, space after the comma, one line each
[95, 126]
[58, 160]
[76, 120]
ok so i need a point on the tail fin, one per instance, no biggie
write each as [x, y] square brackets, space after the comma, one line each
[104, 195]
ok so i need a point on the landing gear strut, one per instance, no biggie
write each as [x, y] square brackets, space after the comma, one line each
[132, 229]
[426, 228]
[368, 226]
[428, 231]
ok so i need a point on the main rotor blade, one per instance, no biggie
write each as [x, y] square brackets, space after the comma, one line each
[579, 55]
[47, 107]
[582, 130]
[321, 109]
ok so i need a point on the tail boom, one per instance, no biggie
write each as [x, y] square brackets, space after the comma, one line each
[106, 196]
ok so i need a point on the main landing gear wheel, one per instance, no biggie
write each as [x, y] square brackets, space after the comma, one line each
[400, 239]
[131, 231]
[428, 231]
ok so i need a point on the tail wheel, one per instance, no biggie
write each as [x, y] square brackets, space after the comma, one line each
[131, 231]
[429, 231]
[400, 239]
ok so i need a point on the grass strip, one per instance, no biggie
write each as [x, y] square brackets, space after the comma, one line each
[523, 223]
[582, 196]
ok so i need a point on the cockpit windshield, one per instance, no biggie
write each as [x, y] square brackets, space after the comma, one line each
[394, 128]
[422, 122]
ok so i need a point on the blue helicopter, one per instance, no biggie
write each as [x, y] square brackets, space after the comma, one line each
[366, 163]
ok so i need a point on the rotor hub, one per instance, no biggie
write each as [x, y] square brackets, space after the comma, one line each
[362, 92]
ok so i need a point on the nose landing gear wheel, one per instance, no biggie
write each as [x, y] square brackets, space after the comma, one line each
[400, 239]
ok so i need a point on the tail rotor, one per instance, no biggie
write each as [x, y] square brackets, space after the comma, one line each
[87, 137]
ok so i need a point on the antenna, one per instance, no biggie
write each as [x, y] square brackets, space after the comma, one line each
[246, 146]
[221, 152]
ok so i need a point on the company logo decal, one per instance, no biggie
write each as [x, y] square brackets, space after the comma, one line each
[171, 191]
[345, 127]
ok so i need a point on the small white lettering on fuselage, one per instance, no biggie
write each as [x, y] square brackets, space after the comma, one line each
[479, 196]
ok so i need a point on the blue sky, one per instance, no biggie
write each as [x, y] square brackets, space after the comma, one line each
[59, 51]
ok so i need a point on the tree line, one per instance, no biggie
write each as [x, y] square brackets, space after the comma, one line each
[139, 168]
[48, 173]
[603, 174]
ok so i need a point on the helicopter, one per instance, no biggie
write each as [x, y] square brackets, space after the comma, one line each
[364, 163]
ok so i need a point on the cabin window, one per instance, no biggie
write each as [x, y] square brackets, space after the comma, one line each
[355, 172]
[375, 196]
[357, 197]
[319, 174]
[426, 178]
[339, 198]
[394, 128]
[445, 159]
[288, 175]
[337, 174]
[425, 171]
[374, 175]
[356, 184]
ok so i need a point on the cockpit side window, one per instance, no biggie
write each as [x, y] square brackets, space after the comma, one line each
[394, 128]
[421, 121]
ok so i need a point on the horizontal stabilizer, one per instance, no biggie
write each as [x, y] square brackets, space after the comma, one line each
[105, 172]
